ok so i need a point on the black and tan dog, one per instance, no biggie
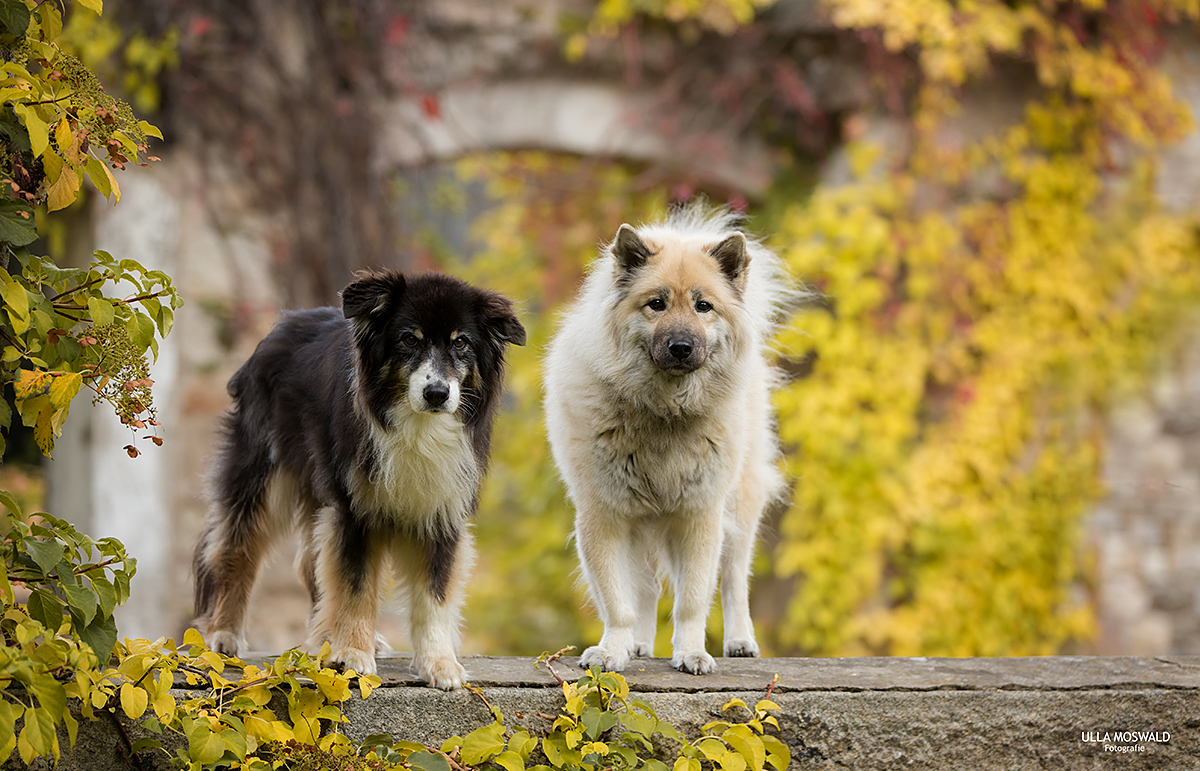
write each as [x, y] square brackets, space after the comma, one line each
[368, 429]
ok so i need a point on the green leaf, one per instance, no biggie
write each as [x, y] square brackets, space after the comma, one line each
[17, 226]
[46, 609]
[235, 742]
[46, 554]
[11, 504]
[14, 15]
[424, 760]
[203, 745]
[141, 330]
[596, 722]
[147, 743]
[100, 635]
[50, 694]
[81, 599]
[100, 310]
[106, 596]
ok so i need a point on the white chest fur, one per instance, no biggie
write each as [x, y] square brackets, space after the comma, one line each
[426, 474]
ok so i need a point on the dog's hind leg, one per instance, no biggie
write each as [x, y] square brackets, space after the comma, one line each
[348, 568]
[250, 511]
[226, 564]
[737, 552]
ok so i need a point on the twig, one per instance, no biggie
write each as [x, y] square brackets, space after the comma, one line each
[771, 687]
[449, 758]
[128, 755]
[486, 703]
[552, 658]
[200, 672]
[75, 289]
[85, 568]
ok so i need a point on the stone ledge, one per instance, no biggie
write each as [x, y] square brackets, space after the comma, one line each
[868, 713]
[1046, 673]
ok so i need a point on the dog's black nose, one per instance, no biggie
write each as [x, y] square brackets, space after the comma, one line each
[680, 349]
[436, 393]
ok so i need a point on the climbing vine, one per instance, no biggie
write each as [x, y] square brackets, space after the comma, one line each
[987, 301]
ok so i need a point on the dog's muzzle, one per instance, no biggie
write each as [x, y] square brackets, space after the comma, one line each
[678, 352]
[430, 390]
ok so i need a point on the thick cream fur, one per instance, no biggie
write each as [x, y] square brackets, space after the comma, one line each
[667, 472]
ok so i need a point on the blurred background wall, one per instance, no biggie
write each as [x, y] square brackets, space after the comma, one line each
[992, 416]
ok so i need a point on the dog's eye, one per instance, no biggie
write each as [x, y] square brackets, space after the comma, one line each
[704, 306]
[409, 339]
[460, 343]
[657, 304]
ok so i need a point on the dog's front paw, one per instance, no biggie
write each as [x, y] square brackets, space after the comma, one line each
[362, 662]
[694, 663]
[225, 642]
[643, 650]
[744, 649]
[609, 661]
[446, 673]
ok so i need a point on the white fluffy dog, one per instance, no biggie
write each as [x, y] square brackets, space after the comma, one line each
[658, 413]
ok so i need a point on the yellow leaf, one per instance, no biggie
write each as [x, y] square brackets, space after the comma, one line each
[32, 382]
[39, 131]
[64, 191]
[62, 135]
[97, 171]
[16, 302]
[64, 387]
[164, 707]
[93, 5]
[133, 701]
[43, 430]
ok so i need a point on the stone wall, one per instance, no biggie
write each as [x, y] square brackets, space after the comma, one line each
[932, 714]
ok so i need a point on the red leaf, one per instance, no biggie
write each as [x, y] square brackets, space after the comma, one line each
[200, 26]
[397, 30]
[132, 451]
[431, 106]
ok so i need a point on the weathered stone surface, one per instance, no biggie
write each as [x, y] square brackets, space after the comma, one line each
[868, 713]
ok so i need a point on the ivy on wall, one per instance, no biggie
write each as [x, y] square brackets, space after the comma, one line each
[987, 301]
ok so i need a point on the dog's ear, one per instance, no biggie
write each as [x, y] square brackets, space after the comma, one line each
[629, 249]
[733, 258]
[372, 293]
[501, 320]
